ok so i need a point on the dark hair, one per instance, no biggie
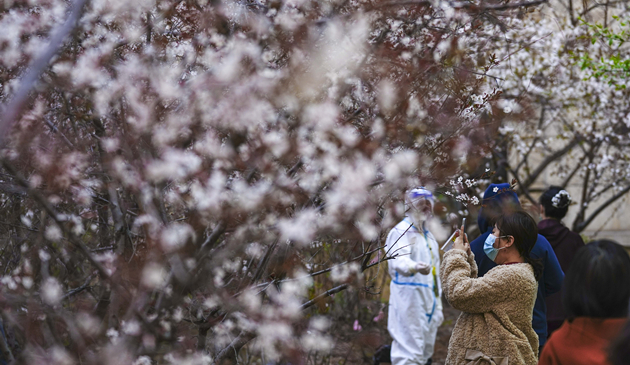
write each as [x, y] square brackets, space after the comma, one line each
[598, 282]
[561, 205]
[523, 228]
[619, 351]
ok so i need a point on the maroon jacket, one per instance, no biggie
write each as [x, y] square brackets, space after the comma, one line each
[565, 244]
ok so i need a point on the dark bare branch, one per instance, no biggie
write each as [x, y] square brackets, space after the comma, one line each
[325, 294]
[579, 226]
[597, 5]
[234, 346]
[573, 172]
[81, 288]
[549, 159]
[524, 4]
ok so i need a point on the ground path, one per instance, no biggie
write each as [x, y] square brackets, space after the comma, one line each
[444, 334]
[359, 347]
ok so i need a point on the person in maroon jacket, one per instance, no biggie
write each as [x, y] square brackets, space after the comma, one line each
[554, 204]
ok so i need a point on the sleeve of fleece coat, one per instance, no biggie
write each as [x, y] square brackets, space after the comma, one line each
[474, 270]
[397, 245]
[466, 293]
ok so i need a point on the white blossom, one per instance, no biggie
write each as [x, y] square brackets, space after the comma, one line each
[341, 273]
[53, 233]
[51, 291]
[131, 327]
[302, 228]
[175, 236]
[88, 324]
[143, 360]
[174, 165]
[153, 275]
[60, 356]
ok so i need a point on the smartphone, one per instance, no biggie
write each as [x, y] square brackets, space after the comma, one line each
[449, 242]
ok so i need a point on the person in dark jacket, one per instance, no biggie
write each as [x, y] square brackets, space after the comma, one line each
[554, 204]
[499, 198]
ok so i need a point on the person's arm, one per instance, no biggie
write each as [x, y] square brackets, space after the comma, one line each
[398, 245]
[472, 295]
[463, 244]
[553, 276]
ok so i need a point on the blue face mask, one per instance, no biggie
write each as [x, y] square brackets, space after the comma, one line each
[488, 247]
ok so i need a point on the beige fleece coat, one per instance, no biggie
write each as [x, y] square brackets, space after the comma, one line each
[496, 309]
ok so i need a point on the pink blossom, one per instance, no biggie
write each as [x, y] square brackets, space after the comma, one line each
[379, 316]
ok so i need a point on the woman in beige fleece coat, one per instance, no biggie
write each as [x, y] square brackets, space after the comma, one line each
[495, 326]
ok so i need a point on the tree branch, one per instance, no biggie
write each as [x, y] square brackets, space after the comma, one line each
[235, 345]
[466, 5]
[551, 158]
[524, 4]
[263, 262]
[580, 226]
[12, 110]
[597, 5]
[579, 219]
[85, 285]
[327, 293]
[55, 216]
[218, 231]
[524, 189]
[575, 170]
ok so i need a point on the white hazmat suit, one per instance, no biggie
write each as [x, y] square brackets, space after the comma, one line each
[415, 307]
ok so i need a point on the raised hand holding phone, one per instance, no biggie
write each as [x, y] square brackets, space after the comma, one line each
[461, 239]
[449, 242]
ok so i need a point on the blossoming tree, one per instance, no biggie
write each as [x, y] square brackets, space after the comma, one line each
[578, 115]
[177, 174]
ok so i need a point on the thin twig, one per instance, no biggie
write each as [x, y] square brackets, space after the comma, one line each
[327, 293]
[85, 285]
[218, 231]
[56, 130]
[323, 271]
[99, 249]
[236, 344]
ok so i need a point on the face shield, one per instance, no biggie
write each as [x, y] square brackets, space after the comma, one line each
[419, 205]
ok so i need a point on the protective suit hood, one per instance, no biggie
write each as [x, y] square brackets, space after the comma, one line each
[416, 206]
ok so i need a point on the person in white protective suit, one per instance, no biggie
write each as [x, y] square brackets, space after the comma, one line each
[415, 306]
